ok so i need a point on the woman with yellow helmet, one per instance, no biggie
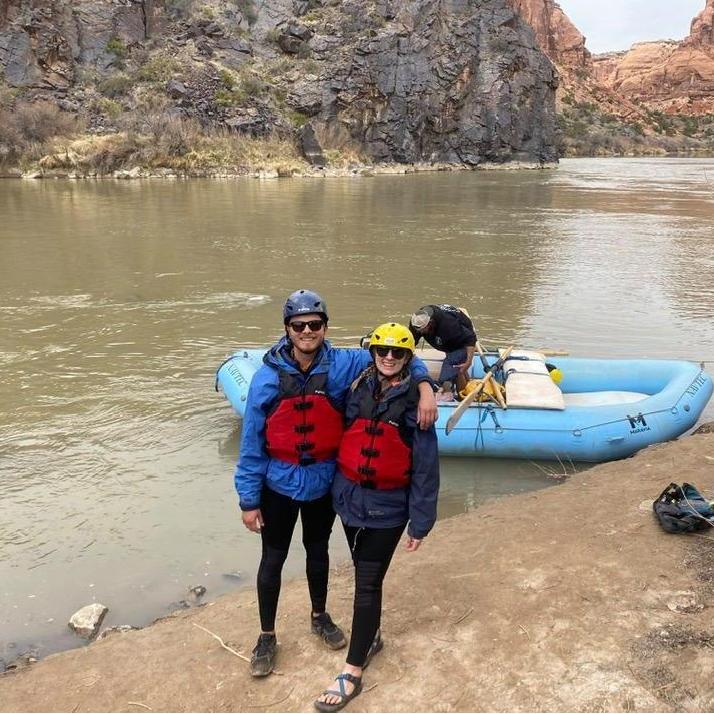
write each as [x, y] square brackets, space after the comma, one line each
[387, 480]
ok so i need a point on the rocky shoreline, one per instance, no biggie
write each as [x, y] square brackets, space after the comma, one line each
[568, 599]
[306, 171]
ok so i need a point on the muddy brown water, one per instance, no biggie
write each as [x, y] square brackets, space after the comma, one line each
[119, 299]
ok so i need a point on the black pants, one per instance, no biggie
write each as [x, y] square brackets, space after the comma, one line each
[372, 551]
[279, 518]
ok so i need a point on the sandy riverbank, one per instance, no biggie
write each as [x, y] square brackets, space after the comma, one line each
[555, 601]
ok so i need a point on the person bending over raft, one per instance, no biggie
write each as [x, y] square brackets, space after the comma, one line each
[449, 329]
[387, 477]
[293, 423]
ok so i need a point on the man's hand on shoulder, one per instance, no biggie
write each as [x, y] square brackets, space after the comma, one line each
[427, 410]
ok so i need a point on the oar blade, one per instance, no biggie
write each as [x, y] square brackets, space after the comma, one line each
[453, 420]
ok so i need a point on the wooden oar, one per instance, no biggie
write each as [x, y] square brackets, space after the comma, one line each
[467, 401]
[482, 355]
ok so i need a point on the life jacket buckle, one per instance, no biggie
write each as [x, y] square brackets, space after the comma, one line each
[366, 471]
[366, 451]
[373, 430]
[303, 406]
[305, 446]
[304, 428]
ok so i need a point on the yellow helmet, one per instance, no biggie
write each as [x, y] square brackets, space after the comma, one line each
[392, 334]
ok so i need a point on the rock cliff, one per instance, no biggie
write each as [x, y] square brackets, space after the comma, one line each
[565, 46]
[455, 81]
[555, 33]
[668, 76]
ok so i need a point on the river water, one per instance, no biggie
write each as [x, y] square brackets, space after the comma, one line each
[119, 299]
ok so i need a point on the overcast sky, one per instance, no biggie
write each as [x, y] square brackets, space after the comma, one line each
[617, 24]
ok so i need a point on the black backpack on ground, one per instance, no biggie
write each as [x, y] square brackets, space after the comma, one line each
[682, 509]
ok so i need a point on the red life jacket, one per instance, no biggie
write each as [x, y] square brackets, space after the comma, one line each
[304, 426]
[376, 449]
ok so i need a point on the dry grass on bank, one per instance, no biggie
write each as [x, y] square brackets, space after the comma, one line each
[40, 135]
[182, 146]
[179, 147]
[26, 130]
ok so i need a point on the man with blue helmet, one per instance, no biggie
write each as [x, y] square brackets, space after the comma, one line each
[292, 427]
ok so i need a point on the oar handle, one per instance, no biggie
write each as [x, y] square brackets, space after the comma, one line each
[482, 355]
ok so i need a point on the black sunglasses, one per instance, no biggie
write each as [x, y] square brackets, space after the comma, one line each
[397, 352]
[314, 325]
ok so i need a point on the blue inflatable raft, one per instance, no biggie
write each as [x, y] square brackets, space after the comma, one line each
[609, 409]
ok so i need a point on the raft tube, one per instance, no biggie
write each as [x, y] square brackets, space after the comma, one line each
[613, 408]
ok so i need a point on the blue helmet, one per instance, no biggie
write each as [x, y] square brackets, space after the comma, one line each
[303, 302]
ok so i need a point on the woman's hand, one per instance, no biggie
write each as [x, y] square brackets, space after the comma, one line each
[253, 520]
[413, 544]
[427, 410]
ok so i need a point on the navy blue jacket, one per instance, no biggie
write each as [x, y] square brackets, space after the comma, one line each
[415, 504]
[255, 467]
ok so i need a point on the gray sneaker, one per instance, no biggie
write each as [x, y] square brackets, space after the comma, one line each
[263, 659]
[328, 631]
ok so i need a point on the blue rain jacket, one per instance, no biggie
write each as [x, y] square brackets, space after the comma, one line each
[255, 467]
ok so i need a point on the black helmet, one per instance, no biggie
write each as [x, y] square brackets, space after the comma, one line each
[303, 302]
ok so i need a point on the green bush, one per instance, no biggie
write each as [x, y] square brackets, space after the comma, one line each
[229, 98]
[116, 85]
[297, 119]
[32, 125]
[691, 126]
[160, 68]
[252, 86]
[227, 79]
[117, 47]
[108, 107]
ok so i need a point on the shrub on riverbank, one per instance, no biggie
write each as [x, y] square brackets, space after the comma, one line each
[588, 131]
[166, 142]
[27, 130]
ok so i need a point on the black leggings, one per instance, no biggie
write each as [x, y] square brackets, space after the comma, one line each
[279, 518]
[372, 551]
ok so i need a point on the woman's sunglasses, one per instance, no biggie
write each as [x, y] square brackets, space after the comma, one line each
[314, 325]
[397, 352]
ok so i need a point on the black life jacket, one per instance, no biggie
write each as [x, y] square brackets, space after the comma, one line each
[376, 448]
[304, 426]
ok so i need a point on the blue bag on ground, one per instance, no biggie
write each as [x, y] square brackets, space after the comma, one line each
[682, 509]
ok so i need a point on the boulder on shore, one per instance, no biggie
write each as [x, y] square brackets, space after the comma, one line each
[86, 622]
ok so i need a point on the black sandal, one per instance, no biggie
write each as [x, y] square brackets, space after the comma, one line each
[344, 697]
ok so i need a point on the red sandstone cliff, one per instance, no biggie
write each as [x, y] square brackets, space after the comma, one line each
[675, 77]
[564, 44]
[702, 31]
[557, 36]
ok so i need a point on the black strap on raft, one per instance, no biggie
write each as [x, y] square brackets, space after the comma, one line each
[682, 509]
